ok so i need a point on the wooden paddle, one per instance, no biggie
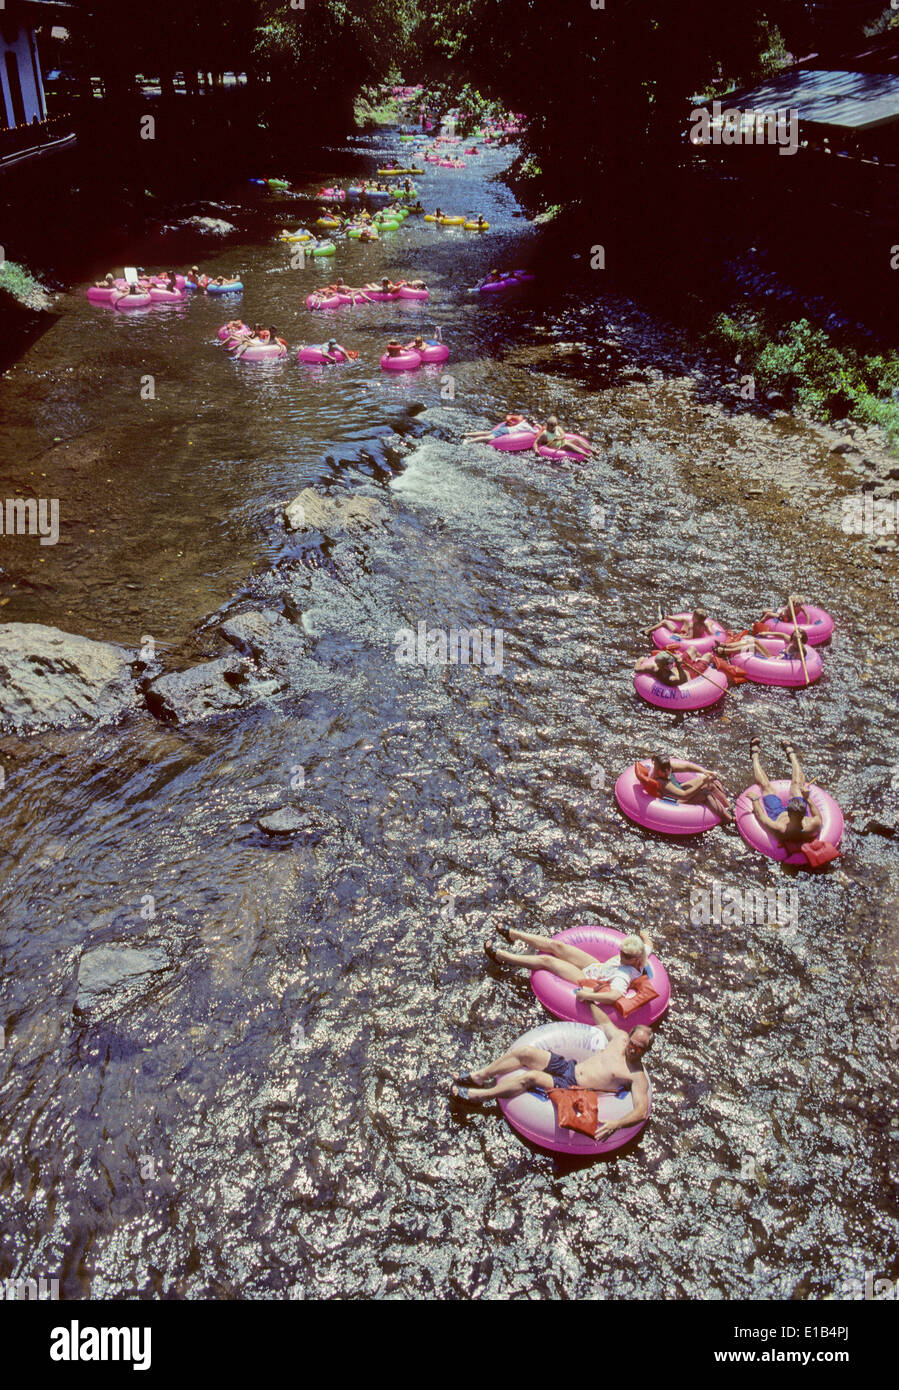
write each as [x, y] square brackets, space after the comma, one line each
[799, 642]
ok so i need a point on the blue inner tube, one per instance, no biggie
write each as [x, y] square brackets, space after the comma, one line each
[224, 289]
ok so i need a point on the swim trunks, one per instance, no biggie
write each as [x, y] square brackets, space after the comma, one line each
[775, 807]
[561, 1069]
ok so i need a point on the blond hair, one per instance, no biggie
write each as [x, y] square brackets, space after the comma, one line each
[633, 946]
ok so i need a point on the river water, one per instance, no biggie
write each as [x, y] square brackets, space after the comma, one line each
[269, 1118]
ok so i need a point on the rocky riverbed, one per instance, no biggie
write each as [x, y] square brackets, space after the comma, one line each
[245, 905]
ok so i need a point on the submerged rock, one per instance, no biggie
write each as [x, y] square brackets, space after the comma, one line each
[265, 636]
[212, 226]
[448, 422]
[226, 684]
[311, 510]
[291, 820]
[286, 820]
[108, 968]
[50, 677]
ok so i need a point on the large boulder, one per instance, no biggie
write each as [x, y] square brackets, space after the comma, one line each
[311, 511]
[53, 678]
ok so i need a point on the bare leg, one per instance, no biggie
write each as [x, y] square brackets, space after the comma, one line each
[719, 804]
[563, 968]
[760, 774]
[514, 1085]
[531, 1058]
[797, 776]
[550, 947]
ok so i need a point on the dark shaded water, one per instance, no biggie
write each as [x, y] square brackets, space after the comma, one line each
[269, 1119]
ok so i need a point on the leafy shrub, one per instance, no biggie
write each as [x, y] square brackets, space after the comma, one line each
[808, 367]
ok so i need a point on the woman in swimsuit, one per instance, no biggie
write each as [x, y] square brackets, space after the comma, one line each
[705, 786]
[613, 977]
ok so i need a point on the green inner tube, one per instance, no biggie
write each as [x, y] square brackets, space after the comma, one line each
[322, 250]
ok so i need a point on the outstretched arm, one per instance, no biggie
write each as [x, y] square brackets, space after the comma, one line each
[640, 1097]
[592, 996]
[604, 1022]
[681, 793]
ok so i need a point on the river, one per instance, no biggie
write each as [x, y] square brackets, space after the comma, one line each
[269, 1118]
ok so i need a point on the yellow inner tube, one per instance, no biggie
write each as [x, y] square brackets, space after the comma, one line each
[453, 221]
[328, 222]
[476, 226]
[292, 236]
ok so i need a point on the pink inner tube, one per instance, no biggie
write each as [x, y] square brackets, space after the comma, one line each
[133, 301]
[380, 297]
[776, 670]
[664, 637]
[669, 817]
[102, 296]
[815, 623]
[698, 693]
[760, 838]
[602, 943]
[408, 293]
[403, 362]
[352, 298]
[535, 1116]
[165, 296]
[263, 352]
[514, 442]
[433, 352]
[322, 301]
[317, 354]
[225, 333]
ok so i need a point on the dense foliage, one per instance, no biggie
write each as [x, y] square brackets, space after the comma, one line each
[812, 369]
[608, 90]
